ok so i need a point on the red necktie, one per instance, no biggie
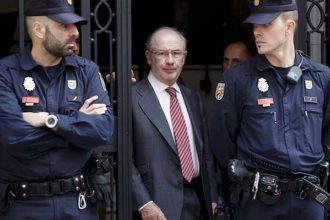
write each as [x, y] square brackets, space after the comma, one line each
[181, 136]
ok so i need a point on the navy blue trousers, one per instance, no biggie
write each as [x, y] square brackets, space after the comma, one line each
[63, 207]
[289, 207]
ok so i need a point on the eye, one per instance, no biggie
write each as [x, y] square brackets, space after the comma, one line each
[162, 53]
[268, 24]
[65, 26]
[177, 53]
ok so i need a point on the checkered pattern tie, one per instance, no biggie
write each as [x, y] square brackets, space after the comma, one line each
[181, 136]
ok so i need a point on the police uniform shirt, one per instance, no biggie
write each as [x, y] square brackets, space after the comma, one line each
[35, 154]
[263, 120]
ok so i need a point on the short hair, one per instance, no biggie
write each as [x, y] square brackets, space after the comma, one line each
[249, 47]
[28, 22]
[290, 15]
[148, 43]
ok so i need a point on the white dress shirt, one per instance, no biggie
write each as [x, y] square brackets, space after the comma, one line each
[164, 100]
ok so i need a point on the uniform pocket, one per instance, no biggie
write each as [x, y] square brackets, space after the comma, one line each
[260, 130]
[312, 128]
[70, 109]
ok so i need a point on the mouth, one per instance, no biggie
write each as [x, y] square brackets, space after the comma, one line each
[169, 70]
[260, 42]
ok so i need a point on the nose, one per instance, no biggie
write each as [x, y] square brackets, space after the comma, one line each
[169, 58]
[74, 30]
[256, 29]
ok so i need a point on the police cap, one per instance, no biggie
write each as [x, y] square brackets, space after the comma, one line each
[265, 11]
[61, 11]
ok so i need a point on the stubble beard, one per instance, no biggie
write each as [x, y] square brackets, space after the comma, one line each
[56, 47]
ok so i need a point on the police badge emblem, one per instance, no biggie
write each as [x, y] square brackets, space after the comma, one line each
[72, 84]
[256, 3]
[263, 85]
[29, 84]
[308, 84]
[219, 92]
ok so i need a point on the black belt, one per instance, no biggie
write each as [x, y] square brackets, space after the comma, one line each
[49, 188]
[293, 184]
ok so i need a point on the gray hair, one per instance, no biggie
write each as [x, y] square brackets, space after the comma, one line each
[148, 43]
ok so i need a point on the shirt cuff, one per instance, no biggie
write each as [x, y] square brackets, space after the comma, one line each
[144, 205]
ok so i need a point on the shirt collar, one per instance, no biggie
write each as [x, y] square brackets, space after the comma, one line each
[28, 63]
[263, 64]
[158, 86]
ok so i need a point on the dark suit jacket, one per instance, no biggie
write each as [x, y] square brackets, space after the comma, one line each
[156, 167]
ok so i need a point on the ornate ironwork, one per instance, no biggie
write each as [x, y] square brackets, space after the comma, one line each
[317, 19]
[103, 36]
[98, 44]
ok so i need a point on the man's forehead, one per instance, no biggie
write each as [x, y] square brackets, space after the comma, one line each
[236, 48]
[168, 42]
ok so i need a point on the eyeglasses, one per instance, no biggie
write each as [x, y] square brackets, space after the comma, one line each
[163, 54]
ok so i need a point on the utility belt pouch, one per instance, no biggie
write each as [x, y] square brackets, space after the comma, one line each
[269, 191]
[241, 182]
[97, 168]
[316, 192]
[322, 172]
[6, 197]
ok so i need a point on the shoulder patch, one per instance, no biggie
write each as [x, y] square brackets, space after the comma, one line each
[219, 92]
[102, 82]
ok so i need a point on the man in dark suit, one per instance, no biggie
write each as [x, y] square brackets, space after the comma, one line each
[168, 181]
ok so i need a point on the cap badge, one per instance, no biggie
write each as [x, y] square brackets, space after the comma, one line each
[256, 3]
[220, 91]
[29, 84]
[69, 2]
[263, 85]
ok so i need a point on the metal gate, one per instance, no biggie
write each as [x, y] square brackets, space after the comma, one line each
[107, 40]
[314, 29]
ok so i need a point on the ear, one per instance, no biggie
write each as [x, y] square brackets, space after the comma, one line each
[184, 57]
[148, 56]
[38, 29]
[290, 26]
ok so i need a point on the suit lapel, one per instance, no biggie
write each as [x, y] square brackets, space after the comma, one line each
[192, 104]
[151, 107]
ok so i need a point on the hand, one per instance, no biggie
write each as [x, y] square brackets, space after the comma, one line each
[35, 119]
[237, 172]
[152, 212]
[133, 79]
[214, 205]
[93, 109]
[112, 77]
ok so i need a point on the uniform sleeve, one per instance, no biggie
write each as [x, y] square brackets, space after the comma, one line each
[88, 131]
[209, 159]
[326, 111]
[225, 120]
[17, 137]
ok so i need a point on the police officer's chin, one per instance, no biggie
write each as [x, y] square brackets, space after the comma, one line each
[261, 50]
[69, 52]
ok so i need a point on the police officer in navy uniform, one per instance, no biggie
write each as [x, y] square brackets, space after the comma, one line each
[271, 121]
[54, 112]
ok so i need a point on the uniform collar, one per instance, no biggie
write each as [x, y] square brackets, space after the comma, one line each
[28, 63]
[263, 64]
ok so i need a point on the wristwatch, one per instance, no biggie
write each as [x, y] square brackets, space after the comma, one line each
[51, 121]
